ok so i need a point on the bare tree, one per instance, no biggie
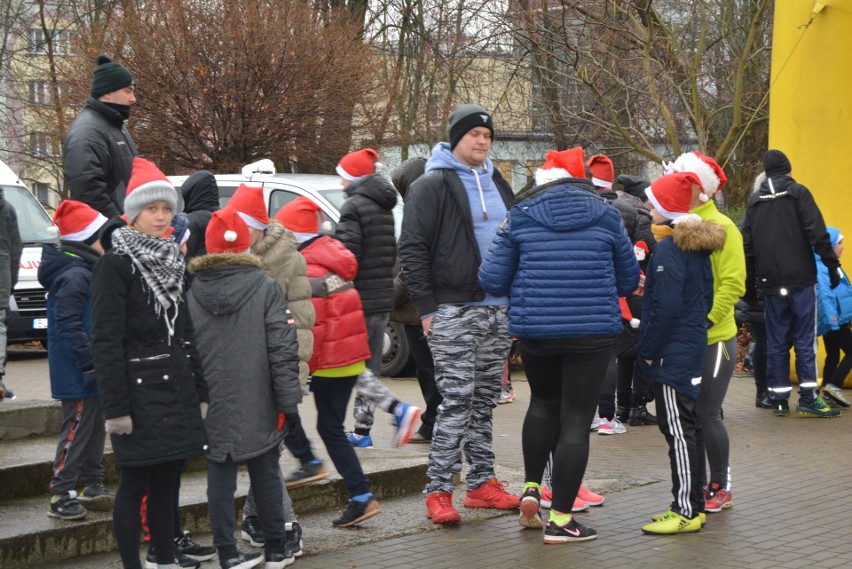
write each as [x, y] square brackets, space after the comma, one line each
[645, 79]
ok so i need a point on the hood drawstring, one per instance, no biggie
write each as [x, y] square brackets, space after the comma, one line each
[771, 187]
[481, 195]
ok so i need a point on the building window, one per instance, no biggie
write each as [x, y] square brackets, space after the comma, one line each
[42, 193]
[40, 92]
[37, 41]
[41, 145]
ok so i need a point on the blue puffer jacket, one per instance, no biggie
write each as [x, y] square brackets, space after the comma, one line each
[66, 273]
[678, 296]
[834, 306]
[563, 257]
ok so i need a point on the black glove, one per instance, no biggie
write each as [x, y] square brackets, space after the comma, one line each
[293, 422]
[835, 275]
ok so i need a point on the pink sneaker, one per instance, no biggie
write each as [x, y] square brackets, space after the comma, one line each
[717, 499]
[590, 497]
[547, 499]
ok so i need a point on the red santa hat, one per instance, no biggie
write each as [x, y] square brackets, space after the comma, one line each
[558, 165]
[671, 195]
[603, 173]
[302, 216]
[227, 233]
[708, 171]
[76, 221]
[248, 202]
[147, 185]
[358, 164]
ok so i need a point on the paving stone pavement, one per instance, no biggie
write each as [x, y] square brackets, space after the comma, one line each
[791, 486]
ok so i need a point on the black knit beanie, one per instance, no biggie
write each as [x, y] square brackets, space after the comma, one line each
[109, 76]
[465, 118]
[775, 163]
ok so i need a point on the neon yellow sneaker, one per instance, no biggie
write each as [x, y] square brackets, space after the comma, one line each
[673, 523]
[657, 517]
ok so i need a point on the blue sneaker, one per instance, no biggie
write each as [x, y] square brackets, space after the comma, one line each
[405, 418]
[360, 441]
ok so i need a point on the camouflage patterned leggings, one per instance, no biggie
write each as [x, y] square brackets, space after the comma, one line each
[469, 345]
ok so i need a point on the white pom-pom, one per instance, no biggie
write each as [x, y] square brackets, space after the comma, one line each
[703, 197]
[378, 167]
[53, 230]
[325, 226]
[230, 236]
[634, 322]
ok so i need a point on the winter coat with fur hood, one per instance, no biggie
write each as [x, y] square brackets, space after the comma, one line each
[282, 261]
[678, 297]
[248, 352]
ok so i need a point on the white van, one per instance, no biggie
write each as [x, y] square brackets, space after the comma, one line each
[326, 191]
[27, 317]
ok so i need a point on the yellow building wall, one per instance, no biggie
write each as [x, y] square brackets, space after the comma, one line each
[810, 113]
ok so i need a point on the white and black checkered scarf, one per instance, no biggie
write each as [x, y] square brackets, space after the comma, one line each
[161, 265]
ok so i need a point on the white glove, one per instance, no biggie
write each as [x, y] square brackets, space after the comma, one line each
[204, 407]
[119, 425]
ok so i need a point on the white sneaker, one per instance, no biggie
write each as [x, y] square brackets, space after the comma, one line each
[614, 427]
[596, 422]
[836, 394]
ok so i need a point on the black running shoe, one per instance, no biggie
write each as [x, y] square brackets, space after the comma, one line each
[780, 407]
[185, 546]
[293, 538]
[308, 473]
[180, 560]
[251, 531]
[357, 512]
[241, 561]
[66, 507]
[279, 559]
[572, 531]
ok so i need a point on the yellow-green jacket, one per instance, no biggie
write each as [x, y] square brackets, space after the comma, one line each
[729, 275]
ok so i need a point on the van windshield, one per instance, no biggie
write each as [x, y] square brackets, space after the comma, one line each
[33, 221]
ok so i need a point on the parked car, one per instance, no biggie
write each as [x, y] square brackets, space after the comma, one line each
[27, 316]
[326, 191]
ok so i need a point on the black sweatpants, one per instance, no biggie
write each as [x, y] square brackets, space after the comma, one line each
[677, 418]
[835, 370]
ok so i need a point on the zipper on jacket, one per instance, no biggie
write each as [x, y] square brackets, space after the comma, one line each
[151, 358]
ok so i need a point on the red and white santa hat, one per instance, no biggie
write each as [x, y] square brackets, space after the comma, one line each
[706, 168]
[603, 173]
[302, 217]
[358, 164]
[76, 221]
[147, 185]
[671, 195]
[558, 165]
[248, 202]
[227, 233]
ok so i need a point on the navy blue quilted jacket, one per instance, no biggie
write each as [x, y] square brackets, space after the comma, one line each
[563, 257]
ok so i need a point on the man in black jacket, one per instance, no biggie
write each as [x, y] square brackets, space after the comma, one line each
[98, 151]
[10, 259]
[781, 230]
[451, 216]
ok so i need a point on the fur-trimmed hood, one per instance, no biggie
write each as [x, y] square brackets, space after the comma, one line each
[698, 236]
[224, 282]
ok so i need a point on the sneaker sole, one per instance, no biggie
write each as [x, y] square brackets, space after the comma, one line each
[445, 520]
[280, 564]
[702, 517]
[153, 564]
[245, 535]
[200, 558]
[816, 415]
[98, 504]
[406, 429]
[67, 518]
[726, 506]
[471, 503]
[303, 481]
[530, 515]
[650, 532]
[557, 539]
[356, 521]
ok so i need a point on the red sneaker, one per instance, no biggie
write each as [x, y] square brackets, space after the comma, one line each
[717, 499]
[440, 509]
[547, 499]
[492, 494]
[590, 497]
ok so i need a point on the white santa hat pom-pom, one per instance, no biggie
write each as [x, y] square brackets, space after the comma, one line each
[53, 230]
[634, 322]
[325, 227]
[230, 236]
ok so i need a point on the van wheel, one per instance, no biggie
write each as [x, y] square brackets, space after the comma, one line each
[396, 355]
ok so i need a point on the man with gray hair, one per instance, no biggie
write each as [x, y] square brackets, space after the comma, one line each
[451, 217]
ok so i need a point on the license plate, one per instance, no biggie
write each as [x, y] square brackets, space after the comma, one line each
[39, 323]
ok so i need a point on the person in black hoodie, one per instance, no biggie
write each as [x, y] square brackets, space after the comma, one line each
[98, 151]
[366, 229]
[200, 199]
[782, 229]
